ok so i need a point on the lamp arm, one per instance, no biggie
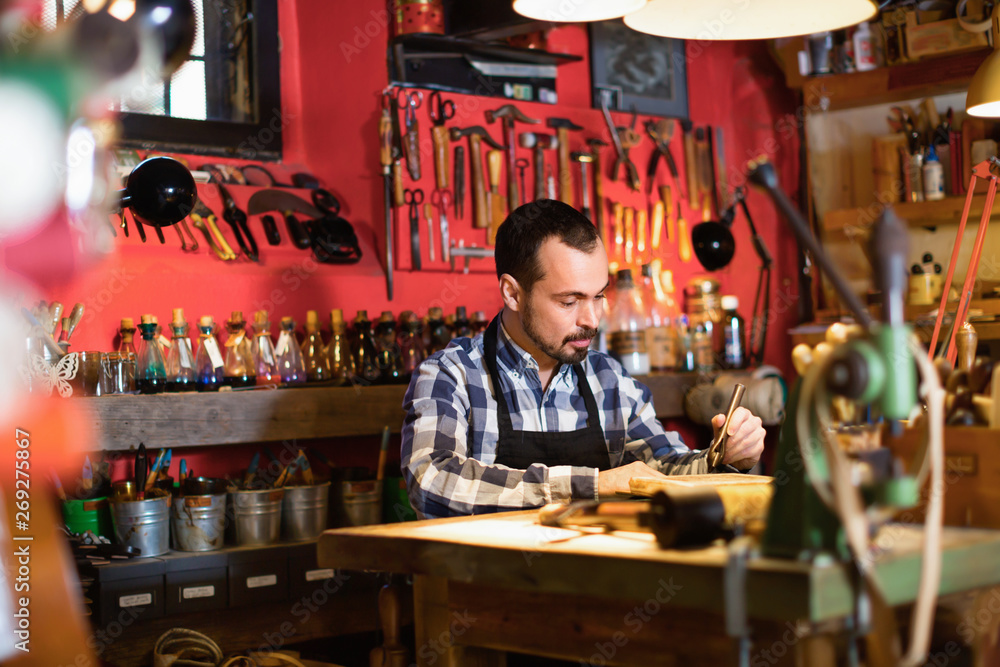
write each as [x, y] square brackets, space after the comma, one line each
[758, 242]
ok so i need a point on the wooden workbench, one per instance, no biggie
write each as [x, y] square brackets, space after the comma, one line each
[496, 583]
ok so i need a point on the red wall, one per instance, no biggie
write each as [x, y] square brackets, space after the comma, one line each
[331, 79]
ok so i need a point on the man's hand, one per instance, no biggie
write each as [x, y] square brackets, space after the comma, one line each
[746, 438]
[616, 481]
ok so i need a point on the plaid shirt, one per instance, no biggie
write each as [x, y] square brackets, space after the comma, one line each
[450, 433]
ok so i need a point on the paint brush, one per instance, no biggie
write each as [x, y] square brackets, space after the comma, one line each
[382, 454]
[251, 470]
[182, 475]
[87, 481]
[303, 464]
[154, 470]
[165, 468]
[59, 487]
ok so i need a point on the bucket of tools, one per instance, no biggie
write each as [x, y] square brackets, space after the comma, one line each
[305, 510]
[143, 524]
[93, 514]
[254, 515]
[357, 498]
[198, 515]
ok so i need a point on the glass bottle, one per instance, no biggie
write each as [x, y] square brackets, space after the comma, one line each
[126, 352]
[411, 344]
[338, 351]
[151, 369]
[290, 364]
[733, 333]
[363, 349]
[208, 362]
[238, 371]
[313, 350]
[385, 346]
[685, 352]
[701, 347]
[265, 360]
[661, 332]
[461, 327]
[479, 322]
[437, 335]
[180, 358]
[627, 326]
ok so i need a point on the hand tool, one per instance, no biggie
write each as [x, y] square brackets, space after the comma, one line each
[270, 229]
[584, 159]
[385, 159]
[657, 232]
[382, 454]
[44, 335]
[629, 234]
[595, 146]
[497, 203]
[441, 199]
[251, 470]
[618, 230]
[194, 242]
[237, 220]
[717, 450]
[75, 316]
[550, 182]
[666, 196]
[122, 222]
[138, 226]
[87, 479]
[414, 198]
[139, 472]
[397, 134]
[219, 252]
[184, 246]
[722, 197]
[285, 475]
[154, 470]
[522, 166]
[202, 216]
[440, 112]
[690, 164]
[476, 133]
[182, 472]
[269, 181]
[661, 132]
[683, 236]
[539, 142]
[159, 233]
[303, 464]
[706, 173]
[55, 313]
[510, 114]
[623, 138]
[165, 467]
[641, 232]
[411, 141]
[562, 126]
[60, 491]
[397, 182]
[286, 203]
[459, 181]
[429, 217]
[468, 253]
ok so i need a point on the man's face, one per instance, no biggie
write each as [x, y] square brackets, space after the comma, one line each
[562, 311]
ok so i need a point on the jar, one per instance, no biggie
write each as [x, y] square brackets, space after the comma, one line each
[703, 305]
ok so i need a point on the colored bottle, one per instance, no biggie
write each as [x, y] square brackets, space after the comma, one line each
[701, 347]
[661, 314]
[238, 370]
[627, 326]
[290, 365]
[685, 350]
[864, 48]
[181, 374]
[389, 362]
[151, 369]
[126, 352]
[461, 327]
[479, 322]
[411, 344]
[933, 176]
[733, 333]
[208, 361]
[314, 351]
[363, 349]
[338, 351]
[437, 335]
[265, 359]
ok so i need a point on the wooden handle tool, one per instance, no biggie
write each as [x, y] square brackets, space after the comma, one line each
[657, 225]
[629, 234]
[618, 212]
[442, 151]
[667, 197]
[481, 213]
[641, 231]
[498, 203]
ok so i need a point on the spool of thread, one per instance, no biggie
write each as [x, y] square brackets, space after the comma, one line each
[419, 16]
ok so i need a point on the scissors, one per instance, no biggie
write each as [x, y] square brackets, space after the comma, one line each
[441, 110]
[414, 198]
[442, 200]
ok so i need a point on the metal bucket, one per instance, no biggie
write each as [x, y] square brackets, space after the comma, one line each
[143, 524]
[255, 516]
[198, 523]
[304, 511]
[362, 502]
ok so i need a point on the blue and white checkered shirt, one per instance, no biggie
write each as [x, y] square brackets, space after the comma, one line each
[450, 432]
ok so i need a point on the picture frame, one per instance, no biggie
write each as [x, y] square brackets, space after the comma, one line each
[636, 70]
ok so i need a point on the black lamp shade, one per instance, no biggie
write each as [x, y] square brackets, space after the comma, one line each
[161, 191]
[713, 245]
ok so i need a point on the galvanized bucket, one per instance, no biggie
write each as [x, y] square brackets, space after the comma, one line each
[198, 523]
[305, 510]
[362, 502]
[255, 516]
[143, 524]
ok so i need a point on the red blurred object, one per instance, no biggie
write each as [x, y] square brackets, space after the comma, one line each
[47, 256]
[419, 16]
[531, 40]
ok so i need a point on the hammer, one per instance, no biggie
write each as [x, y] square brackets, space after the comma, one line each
[562, 126]
[584, 159]
[510, 114]
[595, 151]
[475, 134]
[539, 142]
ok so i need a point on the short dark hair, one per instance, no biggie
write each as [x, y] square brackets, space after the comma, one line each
[528, 226]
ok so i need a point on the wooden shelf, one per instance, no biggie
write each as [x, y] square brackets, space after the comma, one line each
[193, 419]
[885, 85]
[947, 211]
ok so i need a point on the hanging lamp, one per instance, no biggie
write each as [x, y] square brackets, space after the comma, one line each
[983, 98]
[576, 11]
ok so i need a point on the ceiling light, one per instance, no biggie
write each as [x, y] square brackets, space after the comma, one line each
[983, 98]
[746, 19]
[572, 11]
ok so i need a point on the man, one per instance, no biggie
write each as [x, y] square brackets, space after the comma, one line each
[526, 414]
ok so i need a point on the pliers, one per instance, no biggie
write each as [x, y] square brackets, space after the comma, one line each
[661, 132]
[623, 139]
[203, 219]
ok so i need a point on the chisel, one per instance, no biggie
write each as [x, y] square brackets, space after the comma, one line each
[385, 158]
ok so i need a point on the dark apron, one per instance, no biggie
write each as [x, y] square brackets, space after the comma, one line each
[520, 449]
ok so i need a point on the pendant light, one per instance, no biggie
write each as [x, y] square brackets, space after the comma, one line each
[572, 11]
[757, 19]
[983, 98]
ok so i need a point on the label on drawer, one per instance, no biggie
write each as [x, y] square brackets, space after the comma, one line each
[140, 600]
[317, 575]
[262, 581]
[196, 592]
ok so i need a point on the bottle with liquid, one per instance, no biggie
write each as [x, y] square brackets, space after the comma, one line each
[126, 351]
[437, 335]
[313, 350]
[290, 365]
[265, 359]
[933, 176]
[238, 370]
[151, 369]
[208, 361]
[661, 332]
[733, 333]
[627, 326]
[685, 350]
[363, 349]
[864, 48]
[180, 358]
[411, 345]
[338, 351]
[701, 348]
[479, 322]
[461, 327]
[389, 361]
